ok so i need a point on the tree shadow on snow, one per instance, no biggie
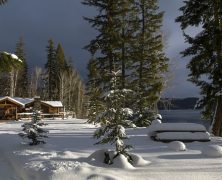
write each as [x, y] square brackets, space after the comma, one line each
[182, 156]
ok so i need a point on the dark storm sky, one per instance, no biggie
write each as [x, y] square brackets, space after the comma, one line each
[38, 20]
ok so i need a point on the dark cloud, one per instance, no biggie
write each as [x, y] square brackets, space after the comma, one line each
[62, 20]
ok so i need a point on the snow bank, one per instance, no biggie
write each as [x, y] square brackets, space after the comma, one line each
[212, 151]
[183, 136]
[177, 146]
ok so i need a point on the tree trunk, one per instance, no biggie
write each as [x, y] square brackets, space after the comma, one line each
[217, 126]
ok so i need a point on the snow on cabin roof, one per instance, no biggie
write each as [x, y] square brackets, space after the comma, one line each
[23, 100]
[12, 100]
[53, 103]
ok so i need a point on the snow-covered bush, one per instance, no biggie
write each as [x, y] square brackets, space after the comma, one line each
[33, 130]
[177, 146]
[212, 151]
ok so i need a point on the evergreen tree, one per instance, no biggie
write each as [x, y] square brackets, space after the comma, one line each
[95, 105]
[9, 61]
[32, 130]
[149, 62]
[116, 30]
[51, 72]
[130, 39]
[206, 55]
[61, 59]
[22, 88]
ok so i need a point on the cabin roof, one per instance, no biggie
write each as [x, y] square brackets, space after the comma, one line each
[53, 103]
[16, 101]
[24, 101]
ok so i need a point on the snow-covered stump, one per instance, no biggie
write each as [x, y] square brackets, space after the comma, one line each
[99, 157]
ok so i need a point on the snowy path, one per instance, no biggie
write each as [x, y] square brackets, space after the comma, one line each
[70, 142]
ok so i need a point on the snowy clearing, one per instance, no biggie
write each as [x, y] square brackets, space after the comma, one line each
[70, 143]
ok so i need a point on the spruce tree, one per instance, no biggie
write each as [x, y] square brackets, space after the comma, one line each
[93, 91]
[61, 59]
[113, 118]
[205, 52]
[33, 130]
[51, 72]
[149, 62]
[22, 88]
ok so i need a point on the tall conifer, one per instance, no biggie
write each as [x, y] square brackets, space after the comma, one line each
[22, 88]
[205, 52]
[51, 72]
[149, 63]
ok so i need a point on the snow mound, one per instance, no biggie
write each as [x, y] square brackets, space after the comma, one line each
[158, 116]
[97, 158]
[156, 121]
[177, 146]
[121, 162]
[138, 160]
[212, 151]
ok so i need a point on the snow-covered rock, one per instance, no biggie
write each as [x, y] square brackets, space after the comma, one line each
[212, 151]
[177, 146]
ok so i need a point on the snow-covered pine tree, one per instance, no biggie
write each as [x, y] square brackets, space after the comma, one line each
[33, 130]
[113, 119]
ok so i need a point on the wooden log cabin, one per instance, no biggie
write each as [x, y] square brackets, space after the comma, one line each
[15, 108]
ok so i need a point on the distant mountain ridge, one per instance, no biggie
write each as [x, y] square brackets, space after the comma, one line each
[177, 103]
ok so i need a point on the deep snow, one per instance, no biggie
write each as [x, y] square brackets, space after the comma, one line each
[70, 142]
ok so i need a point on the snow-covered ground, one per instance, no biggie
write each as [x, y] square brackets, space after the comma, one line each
[70, 142]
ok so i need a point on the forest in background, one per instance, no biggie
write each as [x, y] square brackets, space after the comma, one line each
[58, 80]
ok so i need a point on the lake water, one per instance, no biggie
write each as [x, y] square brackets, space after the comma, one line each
[183, 116]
